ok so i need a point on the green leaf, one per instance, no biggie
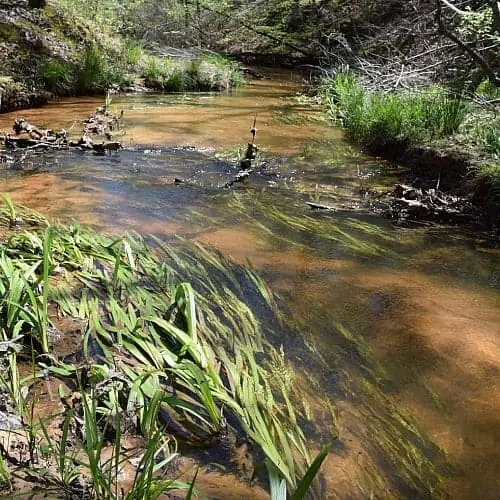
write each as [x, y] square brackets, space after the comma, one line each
[191, 486]
[184, 296]
[311, 472]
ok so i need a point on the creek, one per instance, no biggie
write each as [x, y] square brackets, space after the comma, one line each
[403, 322]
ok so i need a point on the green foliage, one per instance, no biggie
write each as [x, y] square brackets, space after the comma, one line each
[176, 81]
[133, 52]
[22, 308]
[208, 73]
[56, 76]
[4, 474]
[216, 72]
[403, 116]
[477, 23]
[345, 101]
[485, 134]
[311, 473]
[154, 69]
[487, 89]
[63, 454]
[92, 73]
[132, 308]
[95, 73]
[11, 210]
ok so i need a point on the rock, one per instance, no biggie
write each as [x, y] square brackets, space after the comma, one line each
[14, 95]
[9, 422]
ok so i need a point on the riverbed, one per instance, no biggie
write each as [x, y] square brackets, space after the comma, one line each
[402, 323]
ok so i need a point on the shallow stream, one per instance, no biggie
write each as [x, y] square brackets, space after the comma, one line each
[403, 322]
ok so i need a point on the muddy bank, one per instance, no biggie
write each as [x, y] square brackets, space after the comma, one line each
[454, 173]
[15, 96]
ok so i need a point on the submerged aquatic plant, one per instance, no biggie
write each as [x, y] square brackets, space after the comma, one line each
[165, 347]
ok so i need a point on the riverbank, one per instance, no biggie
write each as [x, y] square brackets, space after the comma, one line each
[58, 51]
[447, 142]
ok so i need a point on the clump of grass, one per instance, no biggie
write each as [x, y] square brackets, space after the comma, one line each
[132, 52]
[216, 72]
[95, 73]
[176, 81]
[208, 73]
[488, 89]
[56, 76]
[376, 118]
[92, 72]
[154, 72]
[488, 135]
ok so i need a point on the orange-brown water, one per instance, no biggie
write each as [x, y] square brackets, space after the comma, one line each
[421, 305]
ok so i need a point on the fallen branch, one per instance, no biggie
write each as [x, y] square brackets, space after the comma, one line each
[318, 206]
[474, 54]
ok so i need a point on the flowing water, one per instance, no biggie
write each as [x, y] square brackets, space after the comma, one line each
[402, 324]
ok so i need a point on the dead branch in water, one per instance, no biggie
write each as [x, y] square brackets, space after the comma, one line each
[100, 123]
[319, 206]
[247, 161]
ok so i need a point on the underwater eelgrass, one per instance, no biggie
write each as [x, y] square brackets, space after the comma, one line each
[147, 329]
[295, 227]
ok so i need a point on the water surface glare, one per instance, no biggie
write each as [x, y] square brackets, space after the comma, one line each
[406, 321]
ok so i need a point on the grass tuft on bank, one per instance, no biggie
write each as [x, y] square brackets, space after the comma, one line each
[209, 72]
[409, 117]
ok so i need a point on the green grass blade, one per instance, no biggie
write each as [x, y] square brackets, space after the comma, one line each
[312, 471]
[191, 486]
